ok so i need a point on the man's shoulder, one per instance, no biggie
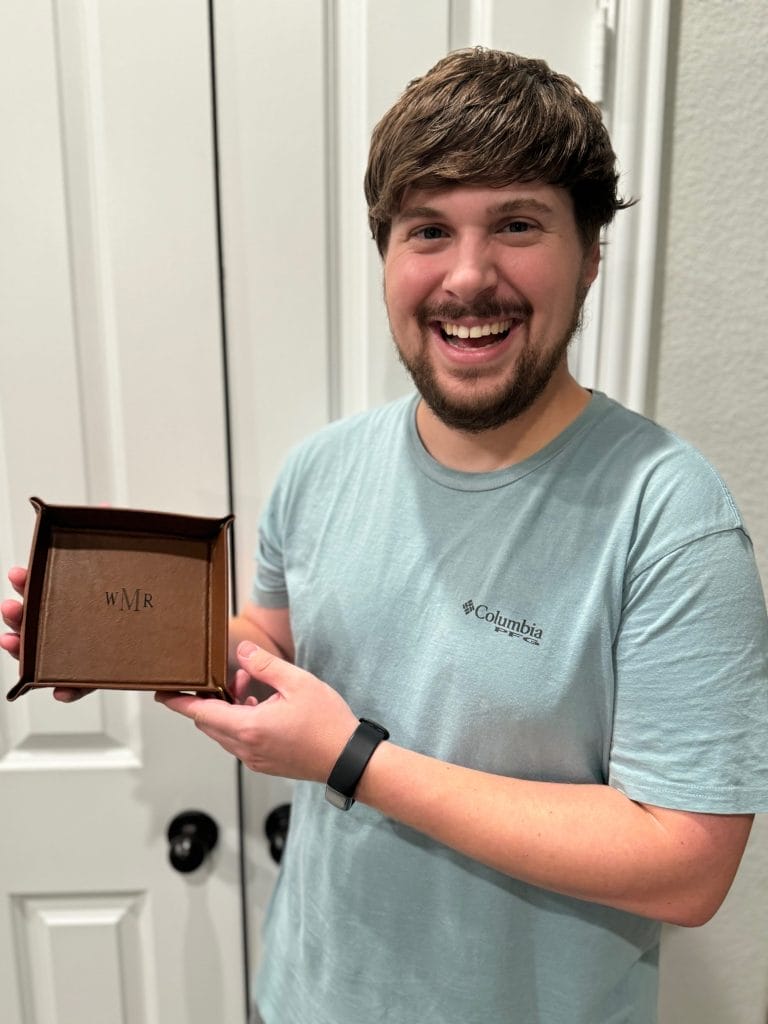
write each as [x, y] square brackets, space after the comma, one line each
[391, 415]
[346, 439]
[654, 450]
[670, 489]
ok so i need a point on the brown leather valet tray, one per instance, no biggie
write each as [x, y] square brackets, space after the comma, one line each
[123, 599]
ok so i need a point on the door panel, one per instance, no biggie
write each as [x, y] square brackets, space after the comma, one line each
[111, 390]
[57, 935]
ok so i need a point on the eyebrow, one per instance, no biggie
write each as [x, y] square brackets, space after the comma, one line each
[509, 206]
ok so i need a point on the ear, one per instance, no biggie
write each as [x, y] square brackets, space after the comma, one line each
[590, 264]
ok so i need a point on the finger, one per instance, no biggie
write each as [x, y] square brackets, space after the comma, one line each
[12, 612]
[239, 685]
[194, 707]
[182, 703]
[10, 642]
[215, 718]
[281, 675]
[69, 694]
[243, 685]
[18, 578]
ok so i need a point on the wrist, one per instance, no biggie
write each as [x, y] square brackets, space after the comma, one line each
[346, 774]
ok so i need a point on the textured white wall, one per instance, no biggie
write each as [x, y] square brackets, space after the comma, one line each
[711, 386]
[712, 375]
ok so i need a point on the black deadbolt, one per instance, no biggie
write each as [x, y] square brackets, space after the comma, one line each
[276, 830]
[192, 835]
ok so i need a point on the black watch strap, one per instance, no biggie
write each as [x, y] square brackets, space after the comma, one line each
[346, 773]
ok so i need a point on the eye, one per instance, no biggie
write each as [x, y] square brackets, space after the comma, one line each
[429, 232]
[517, 227]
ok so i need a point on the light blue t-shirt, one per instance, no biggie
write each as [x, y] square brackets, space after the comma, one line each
[590, 615]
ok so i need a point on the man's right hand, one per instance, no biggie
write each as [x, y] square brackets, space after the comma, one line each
[12, 613]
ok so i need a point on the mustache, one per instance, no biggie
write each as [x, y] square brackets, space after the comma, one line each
[488, 309]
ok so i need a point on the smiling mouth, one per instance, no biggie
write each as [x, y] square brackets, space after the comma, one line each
[478, 336]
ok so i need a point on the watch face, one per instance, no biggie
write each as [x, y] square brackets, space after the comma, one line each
[384, 733]
[338, 799]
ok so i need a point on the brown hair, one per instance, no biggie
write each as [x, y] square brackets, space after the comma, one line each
[485, 117]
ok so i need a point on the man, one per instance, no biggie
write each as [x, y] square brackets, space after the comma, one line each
[547, 602]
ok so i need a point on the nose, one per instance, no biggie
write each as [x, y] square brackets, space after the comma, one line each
[471, 270]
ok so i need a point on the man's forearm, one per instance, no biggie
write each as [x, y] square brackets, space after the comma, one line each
[583, 840]
[242, 628]
[587, 841]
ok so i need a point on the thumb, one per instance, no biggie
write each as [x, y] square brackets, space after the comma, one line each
[261, 664]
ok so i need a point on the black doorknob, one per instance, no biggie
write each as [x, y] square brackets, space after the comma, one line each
[276, 830]
[192, 835]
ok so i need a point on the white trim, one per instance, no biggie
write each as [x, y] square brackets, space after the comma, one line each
[86, 175]
[471, 23]
[636, 119]
[348, 152]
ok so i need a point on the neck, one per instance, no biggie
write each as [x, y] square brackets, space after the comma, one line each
[555, 409]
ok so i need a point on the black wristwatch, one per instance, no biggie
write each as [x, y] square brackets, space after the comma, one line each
[346, 773]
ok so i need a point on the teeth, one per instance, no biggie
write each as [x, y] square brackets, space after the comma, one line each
[459, 331]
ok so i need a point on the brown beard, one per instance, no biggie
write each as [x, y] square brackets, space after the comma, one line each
[478, 413]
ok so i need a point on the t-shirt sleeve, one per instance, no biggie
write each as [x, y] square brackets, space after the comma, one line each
[691, 670]
[269, 585]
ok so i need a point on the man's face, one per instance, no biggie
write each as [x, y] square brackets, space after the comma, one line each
[484, 287]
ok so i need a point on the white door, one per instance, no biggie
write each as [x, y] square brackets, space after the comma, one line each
[111, 389]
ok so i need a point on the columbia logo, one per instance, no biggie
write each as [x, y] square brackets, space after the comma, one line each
[522, 629]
